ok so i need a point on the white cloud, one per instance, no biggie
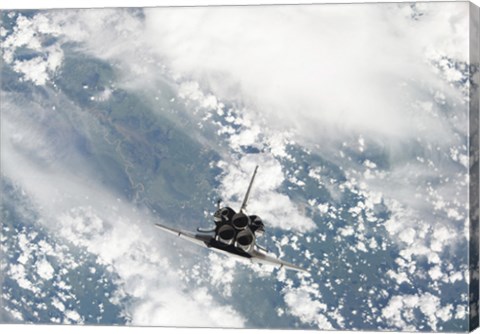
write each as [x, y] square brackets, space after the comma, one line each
[17, 273]
[74, 316]
[29, 33]
[399, 277]
[277, 209]
[346, 231]
[435, 273]
[191, 90]
[45, 269]
[88, 215]
[222, 273]
[399, 306]
[160, 300]
[265, 56]
[460, 312]
[301, 91]
[308, 310]
[407, 235]
[58, 304]
[121, 29]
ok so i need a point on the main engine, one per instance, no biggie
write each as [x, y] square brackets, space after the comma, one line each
[257, 226]
[240, 221]
[245, 240]
[223, 215]
[237, 229]
[226, 234]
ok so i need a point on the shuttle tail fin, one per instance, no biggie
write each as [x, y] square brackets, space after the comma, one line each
[245, 199]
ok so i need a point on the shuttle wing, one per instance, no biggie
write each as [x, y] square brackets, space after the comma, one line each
[199, 239]
[263, 258]
[254, 256]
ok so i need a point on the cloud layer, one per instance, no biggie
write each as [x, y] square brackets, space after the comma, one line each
[316, 69]
[366, 105]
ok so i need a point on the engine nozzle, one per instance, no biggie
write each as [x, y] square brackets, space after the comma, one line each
[245, 240]
[240, 221]
[223, 215]
[226, 234]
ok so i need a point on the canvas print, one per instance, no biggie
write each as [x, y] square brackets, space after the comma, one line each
[273, 167]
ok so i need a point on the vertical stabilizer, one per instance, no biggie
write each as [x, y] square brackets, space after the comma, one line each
[245, 200]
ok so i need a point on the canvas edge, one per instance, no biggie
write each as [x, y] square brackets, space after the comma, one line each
[474, 61]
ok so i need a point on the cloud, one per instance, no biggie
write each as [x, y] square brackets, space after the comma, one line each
[88, 215]
[339, 80]
[31, 34]
[45, 269]
[266, 201]
[308, 310]
[400, 308]
[316, 69]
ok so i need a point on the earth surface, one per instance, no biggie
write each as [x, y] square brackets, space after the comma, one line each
[113, 120]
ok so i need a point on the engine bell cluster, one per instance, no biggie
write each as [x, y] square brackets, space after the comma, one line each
[237, 229]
